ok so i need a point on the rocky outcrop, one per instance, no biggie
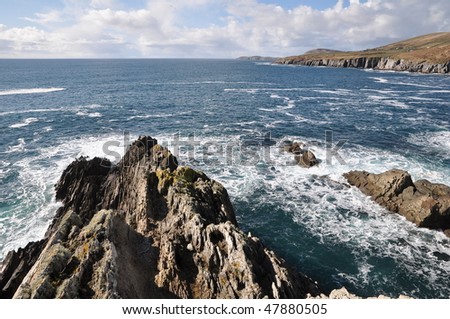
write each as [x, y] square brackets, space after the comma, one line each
[306, 159]
[343, 293]
[424, 203]
[376, 63]
[303, 156]
[146, 228]
[16, 266]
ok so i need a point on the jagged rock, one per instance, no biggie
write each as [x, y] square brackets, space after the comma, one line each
[424, 203]
[80, 183]
[303, 157]
[147, 228]
[16, 266]
[343, 293]
[307, 159]
[293, 147]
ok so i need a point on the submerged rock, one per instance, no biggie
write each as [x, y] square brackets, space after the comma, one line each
[424, 203]
[146, 228]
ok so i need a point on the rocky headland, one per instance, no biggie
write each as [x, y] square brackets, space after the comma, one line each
[146, 228]
[425, 54]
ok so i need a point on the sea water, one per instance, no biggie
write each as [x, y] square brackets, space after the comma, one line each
[229, 119]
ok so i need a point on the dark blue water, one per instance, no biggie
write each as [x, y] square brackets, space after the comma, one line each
[54, 111]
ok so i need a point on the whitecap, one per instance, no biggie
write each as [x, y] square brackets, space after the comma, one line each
[93, 114]
[379, 79]
[30, 111]
[20, 147]
[27, 122]
[30, 91]
[334, 92]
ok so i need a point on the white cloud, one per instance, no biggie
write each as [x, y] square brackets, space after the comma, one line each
[105, 28]
[46, 18]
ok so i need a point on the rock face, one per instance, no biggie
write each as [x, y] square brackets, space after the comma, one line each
[307, 159]
[303, 157]
[377, 63]
[423, 203]
[146, 228]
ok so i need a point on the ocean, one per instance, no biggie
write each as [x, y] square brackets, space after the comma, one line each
[228, 118]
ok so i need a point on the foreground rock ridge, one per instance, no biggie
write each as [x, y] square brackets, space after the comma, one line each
[424, 203]
[146, 228]
[425, 54]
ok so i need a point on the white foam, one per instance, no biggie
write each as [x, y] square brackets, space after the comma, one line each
[256, 90]
[394, 82]
[319, 200]
[379, 79]
[334, 92]
[88, 114]
[418, 98]
[147, 116]
[206, 82]
[34, 207]
[80, 108]
[435, 91]
[27, 122]
[29, 111]
[438, 141]
[20, 147]
[397, 104]
[266, 110]
[30, 91]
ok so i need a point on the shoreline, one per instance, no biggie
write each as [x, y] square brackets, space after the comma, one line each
[376, 64]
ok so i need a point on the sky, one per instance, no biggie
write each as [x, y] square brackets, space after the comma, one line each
[209, 28]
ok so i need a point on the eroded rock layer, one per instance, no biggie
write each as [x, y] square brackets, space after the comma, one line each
[146, 228]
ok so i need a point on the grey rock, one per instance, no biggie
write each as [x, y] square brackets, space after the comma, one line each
[307, 159]
[377, 63]
[424, 203]
[147, 228]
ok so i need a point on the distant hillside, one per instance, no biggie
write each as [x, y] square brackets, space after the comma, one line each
[257, 58]
[427, 54]
[322, 51]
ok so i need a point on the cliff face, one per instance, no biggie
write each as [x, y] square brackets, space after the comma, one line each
[425, 54]
[146, 228]
[376, 63]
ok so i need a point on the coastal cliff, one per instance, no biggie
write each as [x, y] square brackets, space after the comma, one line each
[146, 228]
[425, 54]
[376, 63]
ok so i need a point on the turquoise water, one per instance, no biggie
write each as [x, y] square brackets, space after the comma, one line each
[52, 111]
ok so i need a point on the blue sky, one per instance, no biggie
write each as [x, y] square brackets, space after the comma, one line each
[209, 28]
